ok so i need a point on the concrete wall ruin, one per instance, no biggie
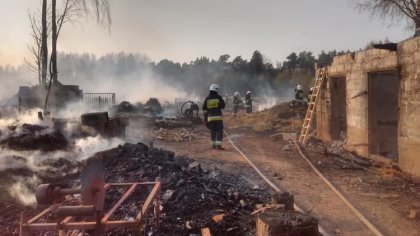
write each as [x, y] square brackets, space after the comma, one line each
[366, 125]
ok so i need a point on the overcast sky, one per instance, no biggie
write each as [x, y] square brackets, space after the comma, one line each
[182, 30]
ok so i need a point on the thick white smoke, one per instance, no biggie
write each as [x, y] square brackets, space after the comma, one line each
[19, 190]
[81, 148]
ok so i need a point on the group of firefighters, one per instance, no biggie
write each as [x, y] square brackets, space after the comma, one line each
[237, 102]
[300, 96]
[214, 104]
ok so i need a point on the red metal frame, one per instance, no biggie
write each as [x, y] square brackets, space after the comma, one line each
[27, 227]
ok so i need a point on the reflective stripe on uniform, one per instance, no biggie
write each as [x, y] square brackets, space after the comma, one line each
[218, 143]
[214, 118]
[213, 103]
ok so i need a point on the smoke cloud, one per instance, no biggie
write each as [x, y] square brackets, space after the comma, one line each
[21, 191]
[36, 161]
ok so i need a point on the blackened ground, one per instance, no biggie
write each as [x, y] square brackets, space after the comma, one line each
[197, 195]
[191, 196]
[58, 171]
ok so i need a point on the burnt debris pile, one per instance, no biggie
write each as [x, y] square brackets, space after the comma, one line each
[151, 108]
[192, 198]
[34, 137]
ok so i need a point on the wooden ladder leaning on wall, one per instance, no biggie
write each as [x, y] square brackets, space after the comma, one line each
[321, 75]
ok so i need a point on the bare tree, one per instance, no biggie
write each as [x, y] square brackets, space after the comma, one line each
[396, 9]
[44, 43]
[72, 11]
[38, 63]
[35, 49]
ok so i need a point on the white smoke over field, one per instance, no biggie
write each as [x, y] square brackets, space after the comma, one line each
[22, 162]
[138, 86]
[270, 97]
[266, 102]
[10, 85]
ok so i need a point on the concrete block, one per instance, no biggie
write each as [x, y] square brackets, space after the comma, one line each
[360, 56]
[408, 158]
[391, 61]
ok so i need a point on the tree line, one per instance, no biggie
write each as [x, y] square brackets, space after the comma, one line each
[258, 74]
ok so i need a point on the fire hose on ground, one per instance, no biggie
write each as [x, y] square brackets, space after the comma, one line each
[326, 181]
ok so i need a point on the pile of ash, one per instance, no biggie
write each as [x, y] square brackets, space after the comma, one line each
[191, 196]
[151, 108]
[171, 135]
[34, 137]
[18, 183]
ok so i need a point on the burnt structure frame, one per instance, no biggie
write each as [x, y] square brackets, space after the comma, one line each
[32, 225]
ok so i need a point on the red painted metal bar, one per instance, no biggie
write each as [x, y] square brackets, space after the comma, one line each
[121, 201]
[67, 220]
[157, 210]
[40, 226]
[92, 225]
[146, 205]
[77, 225]
[44, 212]
[129, 184]
[67, 225]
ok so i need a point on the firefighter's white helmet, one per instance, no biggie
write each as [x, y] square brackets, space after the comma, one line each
[299, 87]
[214, 87]
[236, 94]
[249, 92]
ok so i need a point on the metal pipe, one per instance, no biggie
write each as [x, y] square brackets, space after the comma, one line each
[64, 211]
[69, 191]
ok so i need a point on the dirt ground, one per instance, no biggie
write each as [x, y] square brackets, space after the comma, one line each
[386, 198]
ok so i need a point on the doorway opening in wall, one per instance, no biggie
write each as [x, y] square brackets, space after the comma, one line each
[338, 108]
[383, 95]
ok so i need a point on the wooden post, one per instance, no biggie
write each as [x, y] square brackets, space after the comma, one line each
[284, 198]
[275, 222]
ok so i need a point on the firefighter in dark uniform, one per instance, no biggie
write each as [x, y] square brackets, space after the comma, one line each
[248, 102]
[212, 109]
[311, 91]
[236, 103]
